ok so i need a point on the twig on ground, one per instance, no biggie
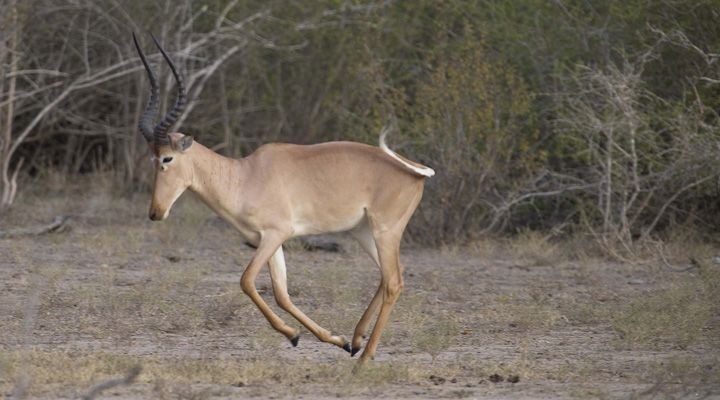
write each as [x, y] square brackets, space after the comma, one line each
[59, 224]
[110, 383]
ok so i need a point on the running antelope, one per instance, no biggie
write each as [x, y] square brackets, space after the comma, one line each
[283, 190]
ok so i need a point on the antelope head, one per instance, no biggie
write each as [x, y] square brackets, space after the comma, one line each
[173, 166]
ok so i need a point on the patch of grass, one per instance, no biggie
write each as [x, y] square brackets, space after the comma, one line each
[525, 313]
[486, 247]
[185, 222]
[435, 333]
[588, 393]
[685, 370]
[49, 370]
[681, 244]
[524, 366]
[534, 248]
[109, 245]
[166, 301]
[675, 315]
[679, 377]
[576, 371]
[328, 294]
[585, 312]
[222, 309]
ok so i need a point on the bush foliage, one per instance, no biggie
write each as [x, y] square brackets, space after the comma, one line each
[570, 115]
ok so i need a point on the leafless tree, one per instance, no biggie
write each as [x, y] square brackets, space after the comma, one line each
[635, 172]
[52, 90]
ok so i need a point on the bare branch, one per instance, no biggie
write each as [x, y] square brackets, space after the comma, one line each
[205, 73]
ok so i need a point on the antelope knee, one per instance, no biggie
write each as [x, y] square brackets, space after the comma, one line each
[392, 290]
[247, 286]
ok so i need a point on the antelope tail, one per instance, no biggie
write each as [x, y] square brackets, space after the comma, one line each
[417, 168]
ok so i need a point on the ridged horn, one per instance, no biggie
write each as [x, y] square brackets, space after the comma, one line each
[151, 109]
[160, 131]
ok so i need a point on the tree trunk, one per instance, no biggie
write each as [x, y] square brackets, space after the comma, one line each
[9, 181]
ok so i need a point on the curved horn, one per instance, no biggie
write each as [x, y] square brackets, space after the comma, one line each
[160, 131]
[151, 109]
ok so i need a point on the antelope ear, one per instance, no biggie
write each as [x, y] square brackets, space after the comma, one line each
[183, 143]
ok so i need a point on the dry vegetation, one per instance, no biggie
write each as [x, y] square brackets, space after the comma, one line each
[567, 117]
[117, 291]
[581, 134]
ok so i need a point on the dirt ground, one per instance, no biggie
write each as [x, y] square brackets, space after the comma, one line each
[516, 319]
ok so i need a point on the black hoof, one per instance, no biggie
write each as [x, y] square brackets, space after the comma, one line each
[346, 347]
[354, 351]
[295, 340]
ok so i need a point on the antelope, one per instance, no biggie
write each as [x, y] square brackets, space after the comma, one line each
[281, 191]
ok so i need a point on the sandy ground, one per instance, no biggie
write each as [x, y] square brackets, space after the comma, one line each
[486, 321]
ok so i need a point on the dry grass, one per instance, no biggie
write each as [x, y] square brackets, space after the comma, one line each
[681, 377]
[534, 248]
[423, 325]
[675, 315]
[118, 291]
[525, 313]
[49, 370]
[107, 304]
[684, 310]
[527, 247]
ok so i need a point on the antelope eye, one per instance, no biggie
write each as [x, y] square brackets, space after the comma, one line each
[166, 160]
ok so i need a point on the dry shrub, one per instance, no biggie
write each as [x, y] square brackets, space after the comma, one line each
[682, 245]
[467, 115]
[533, 247]
[633, 175]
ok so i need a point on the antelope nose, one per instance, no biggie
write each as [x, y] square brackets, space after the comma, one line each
[153, 215]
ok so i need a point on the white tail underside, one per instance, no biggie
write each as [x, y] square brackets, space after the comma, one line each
[422, 171]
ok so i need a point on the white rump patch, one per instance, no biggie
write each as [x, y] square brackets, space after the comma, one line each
[424, 171]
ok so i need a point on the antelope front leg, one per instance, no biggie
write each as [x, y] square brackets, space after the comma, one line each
[268, 245]
[279, 283]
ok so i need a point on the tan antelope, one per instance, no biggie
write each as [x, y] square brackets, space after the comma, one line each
[282, 191]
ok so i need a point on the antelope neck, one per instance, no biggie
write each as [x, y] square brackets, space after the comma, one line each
[213, 175]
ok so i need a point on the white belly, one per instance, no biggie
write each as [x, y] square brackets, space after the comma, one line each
[327, 222]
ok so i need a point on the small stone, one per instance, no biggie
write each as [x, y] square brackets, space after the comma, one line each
[495, 378]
